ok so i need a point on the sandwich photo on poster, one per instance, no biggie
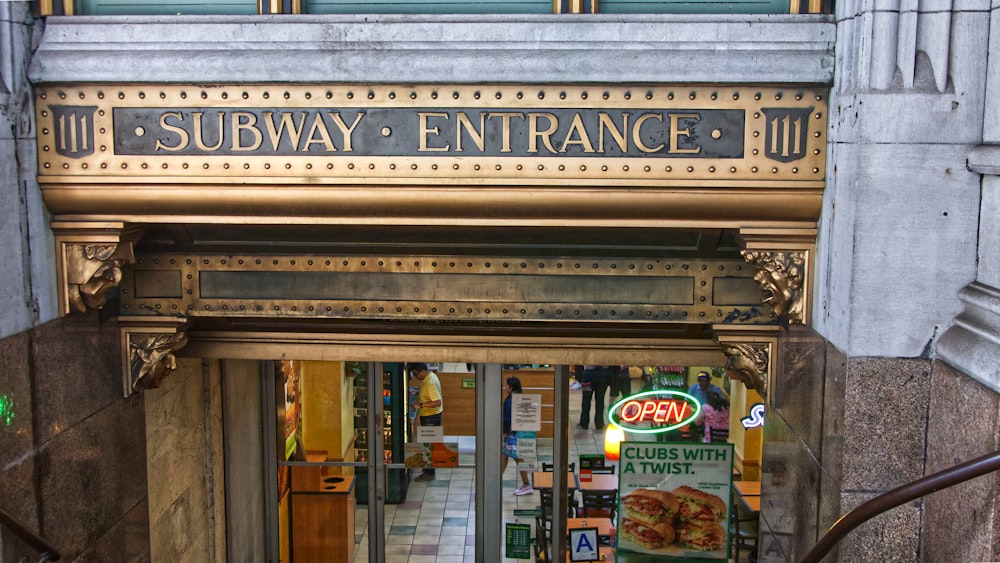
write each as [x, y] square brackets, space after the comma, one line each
[674, 499]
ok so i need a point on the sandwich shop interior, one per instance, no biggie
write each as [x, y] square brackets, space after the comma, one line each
[324, 444]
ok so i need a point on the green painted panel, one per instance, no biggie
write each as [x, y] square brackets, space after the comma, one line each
[247, 7]
[426, 7]
[140, 8]
[693, 7]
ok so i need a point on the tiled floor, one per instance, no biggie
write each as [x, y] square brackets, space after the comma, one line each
[437, 523]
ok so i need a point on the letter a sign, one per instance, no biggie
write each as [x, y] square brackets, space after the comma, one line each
[73, 127]
[787, 133]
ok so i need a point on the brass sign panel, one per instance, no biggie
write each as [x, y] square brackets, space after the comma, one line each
[339, 134]
[495, 288]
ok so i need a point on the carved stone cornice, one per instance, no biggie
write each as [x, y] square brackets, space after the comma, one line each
[748, 352]
[783, 259]
[89, 260]
[148, 346]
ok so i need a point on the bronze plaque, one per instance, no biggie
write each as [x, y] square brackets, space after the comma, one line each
[340, 134]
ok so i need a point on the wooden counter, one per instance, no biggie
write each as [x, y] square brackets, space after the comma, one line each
[459, 415]
[322, 526]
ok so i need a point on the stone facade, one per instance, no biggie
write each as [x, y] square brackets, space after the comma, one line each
[884, 387]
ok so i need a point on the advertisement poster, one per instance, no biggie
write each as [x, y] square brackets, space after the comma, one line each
[675, 499]
[430, 454]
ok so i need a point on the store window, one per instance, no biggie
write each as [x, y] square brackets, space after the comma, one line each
[327, 412]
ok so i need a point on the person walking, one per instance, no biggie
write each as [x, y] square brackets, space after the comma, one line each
[508, 449]
[714, 414]
[595, 381]
[429, 405]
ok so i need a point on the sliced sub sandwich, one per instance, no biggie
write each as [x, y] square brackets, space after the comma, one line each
[699, 507]
[650, 506]
[702, 538]
[646, 536]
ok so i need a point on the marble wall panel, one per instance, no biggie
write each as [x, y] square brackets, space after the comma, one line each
[965, 424]
[892, 537]
[17, 437]
[77, 365]
[83, 471]
[798, 382]
[789, 493]
[180, 495]
[885, 422]
[128, 540]
[93, 473]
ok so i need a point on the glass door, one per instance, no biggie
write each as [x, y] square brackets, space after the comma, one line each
[381, 462]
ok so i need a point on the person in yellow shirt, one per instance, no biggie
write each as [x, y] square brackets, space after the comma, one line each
[428, 404]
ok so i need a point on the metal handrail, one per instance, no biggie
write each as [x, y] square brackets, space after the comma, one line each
[48, 553]
[901, 495]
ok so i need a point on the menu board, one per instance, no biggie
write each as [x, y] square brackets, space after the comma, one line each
[675, 499]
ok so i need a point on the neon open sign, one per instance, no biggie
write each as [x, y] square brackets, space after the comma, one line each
[650, 412]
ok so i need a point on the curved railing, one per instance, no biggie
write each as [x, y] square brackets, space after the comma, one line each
[46, 551]
[901, 495]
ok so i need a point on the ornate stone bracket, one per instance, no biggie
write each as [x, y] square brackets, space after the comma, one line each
[89, 261]
[783, 261]
[748, 351]
[148, 346]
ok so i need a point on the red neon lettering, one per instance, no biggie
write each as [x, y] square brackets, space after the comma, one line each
[648, 408]
[631, 411]
[675, 406]
[662, 411]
